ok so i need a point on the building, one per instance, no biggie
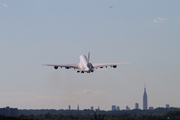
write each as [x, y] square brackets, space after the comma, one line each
[69, 107]
[167, 105]
[92, 108]
[151, 108]
[98, 108]
[136, 106]
[9, 111]
[127, 108]
[113, 107]
[78, 107]
[145, 101]
[118, 108]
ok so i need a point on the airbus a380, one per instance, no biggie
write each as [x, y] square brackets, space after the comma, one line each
[85, 66]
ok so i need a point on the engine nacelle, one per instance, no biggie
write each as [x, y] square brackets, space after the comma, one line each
[114, 66]
[67, 67]
[55, 67]
[101, 67]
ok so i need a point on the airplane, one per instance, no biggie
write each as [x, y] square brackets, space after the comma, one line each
[85, 66]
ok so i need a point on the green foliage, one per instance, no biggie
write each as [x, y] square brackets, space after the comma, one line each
[157, 111]
[171, 115]
[174, 115]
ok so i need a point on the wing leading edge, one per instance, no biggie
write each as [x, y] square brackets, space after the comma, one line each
[75, 66]
[98, 65]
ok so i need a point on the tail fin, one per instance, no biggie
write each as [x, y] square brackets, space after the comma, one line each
[88, 57]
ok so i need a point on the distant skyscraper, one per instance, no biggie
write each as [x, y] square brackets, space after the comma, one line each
[69, 107]
[151, 108]
[118, 108]
[113, 107]
[127, 108]
[145, 104]
[92, 108]
[167, 105]
[98, 108]
[78, 107]
[136, 106]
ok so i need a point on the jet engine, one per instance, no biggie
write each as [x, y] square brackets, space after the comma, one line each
[114, 66]
[55, 67]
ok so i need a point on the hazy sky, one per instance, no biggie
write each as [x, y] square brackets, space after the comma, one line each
[36, 32]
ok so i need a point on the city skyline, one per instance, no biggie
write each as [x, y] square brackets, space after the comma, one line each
[144, 103]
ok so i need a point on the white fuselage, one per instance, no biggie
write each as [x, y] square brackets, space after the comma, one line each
[84, 62]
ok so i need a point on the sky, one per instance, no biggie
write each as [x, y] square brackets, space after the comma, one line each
[36, 32]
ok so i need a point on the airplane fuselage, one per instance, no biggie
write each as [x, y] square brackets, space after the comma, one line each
[84, 63]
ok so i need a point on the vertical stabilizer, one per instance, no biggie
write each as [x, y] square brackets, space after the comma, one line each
[88, 57]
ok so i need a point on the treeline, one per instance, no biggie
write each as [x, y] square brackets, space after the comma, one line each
[157, 111]
[172, 115]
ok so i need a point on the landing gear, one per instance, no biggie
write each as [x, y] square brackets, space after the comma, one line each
[82, 71]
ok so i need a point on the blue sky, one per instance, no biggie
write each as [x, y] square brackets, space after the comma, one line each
[35, 32]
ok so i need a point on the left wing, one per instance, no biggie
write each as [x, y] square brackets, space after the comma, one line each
[75, 66]
[97, 65]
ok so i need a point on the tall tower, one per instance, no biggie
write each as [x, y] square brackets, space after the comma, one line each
[78, 107]
[145, 104]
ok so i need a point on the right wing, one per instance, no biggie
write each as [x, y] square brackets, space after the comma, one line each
[98, 65]
[75, 66]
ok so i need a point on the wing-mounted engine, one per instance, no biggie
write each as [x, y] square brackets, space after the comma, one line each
[55, 67]
[115, 66]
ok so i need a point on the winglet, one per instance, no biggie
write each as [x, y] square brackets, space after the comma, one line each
[88, 57]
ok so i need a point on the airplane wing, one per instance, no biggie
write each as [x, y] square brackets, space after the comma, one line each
[75, 66]
[97, 65]
[99, 69]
